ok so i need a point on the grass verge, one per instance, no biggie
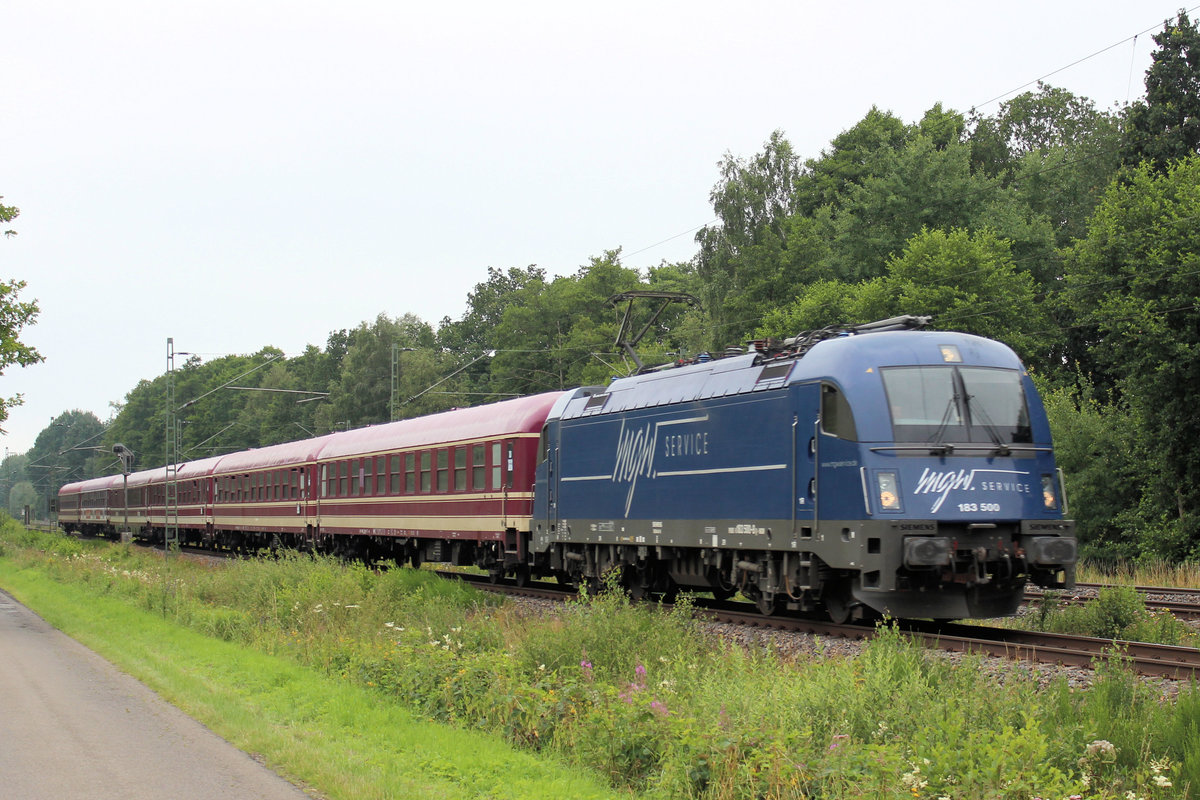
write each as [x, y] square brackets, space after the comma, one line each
[331, 735]
[642, 698]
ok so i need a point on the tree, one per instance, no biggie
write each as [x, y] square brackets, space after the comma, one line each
[565, 335]
[855, 154]
[12, 472]
[1165, 127]
[8, 214]
[62, 450]
[1055, 150]
[1132, 283]
[362, 393]
[23, 494]
[15, 315]
[475, 331]
[965, 281]
[741, 265]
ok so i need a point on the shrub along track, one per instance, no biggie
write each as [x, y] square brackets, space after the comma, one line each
[1182, 603]
[1155, 660]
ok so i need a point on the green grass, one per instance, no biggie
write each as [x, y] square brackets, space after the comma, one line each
[638, 697]
[316, 730]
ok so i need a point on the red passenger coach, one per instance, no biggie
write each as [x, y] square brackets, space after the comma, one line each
[259, 496]
[455, 486]
[84, 506]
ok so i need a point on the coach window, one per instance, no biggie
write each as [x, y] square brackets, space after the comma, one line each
[836, 417]
[366, 476]
[478, 468]
[395, 474]
[381, 483]
[495, 465]
[343, 478]
[460, 469]
[426, 470]
[410, 473]
[326, 481]
[443, 465]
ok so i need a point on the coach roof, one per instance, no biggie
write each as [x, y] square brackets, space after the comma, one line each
[492, 421]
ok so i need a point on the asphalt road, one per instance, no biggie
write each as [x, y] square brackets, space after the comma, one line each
[73, 727]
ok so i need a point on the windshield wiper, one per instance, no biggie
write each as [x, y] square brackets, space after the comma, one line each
[935, 439]
[986, 423]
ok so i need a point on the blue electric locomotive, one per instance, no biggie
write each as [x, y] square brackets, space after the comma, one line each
[877, 469]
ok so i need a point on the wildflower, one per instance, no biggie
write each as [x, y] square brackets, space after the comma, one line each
[659, 708]
[1161, 780]
[838, 740]
[1101, 747]
[640, 672]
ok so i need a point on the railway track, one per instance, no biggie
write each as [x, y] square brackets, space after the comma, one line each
[1183, 603]
[1156, 660]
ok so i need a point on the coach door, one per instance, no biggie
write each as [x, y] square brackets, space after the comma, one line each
[310, 495]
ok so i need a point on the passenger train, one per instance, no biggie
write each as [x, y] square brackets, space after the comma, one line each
[856, 471]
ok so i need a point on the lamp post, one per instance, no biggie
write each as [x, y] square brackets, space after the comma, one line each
[126, 455]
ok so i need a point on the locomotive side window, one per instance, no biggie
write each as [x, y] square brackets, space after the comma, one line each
[836, 416]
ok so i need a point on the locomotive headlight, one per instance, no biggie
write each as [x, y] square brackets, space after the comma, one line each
[1049, 493]
[889, 491]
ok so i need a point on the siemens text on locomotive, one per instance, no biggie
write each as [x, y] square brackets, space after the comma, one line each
[875, 469]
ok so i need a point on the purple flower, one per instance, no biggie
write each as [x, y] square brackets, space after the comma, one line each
[640, 672]
[659, 708]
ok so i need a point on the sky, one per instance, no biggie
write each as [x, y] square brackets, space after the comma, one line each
[234, 174]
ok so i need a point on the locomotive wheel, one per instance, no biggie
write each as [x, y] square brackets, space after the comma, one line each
[838, 608]
[766, 606]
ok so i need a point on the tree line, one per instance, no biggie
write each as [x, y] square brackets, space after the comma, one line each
[1067, 231]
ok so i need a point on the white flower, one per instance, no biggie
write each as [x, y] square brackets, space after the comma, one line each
[1161, 780]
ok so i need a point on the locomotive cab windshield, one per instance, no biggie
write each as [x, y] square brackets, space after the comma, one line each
[952, 404]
